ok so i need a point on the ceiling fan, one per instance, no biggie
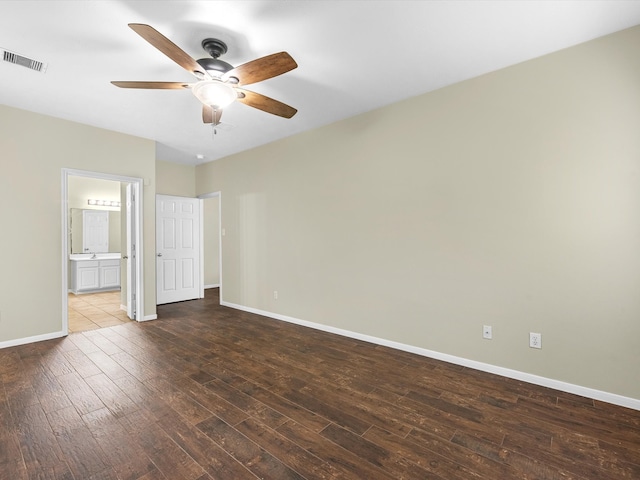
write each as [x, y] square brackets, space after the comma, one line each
[218, 83]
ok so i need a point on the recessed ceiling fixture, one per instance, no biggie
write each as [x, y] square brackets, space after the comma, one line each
[218, 82]
[17, 59]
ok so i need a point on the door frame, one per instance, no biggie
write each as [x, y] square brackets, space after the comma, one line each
[137, 184]
[220, 235]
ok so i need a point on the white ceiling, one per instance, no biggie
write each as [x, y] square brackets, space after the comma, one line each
[353, 56]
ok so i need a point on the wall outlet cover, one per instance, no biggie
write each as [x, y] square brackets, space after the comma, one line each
[535, 340]
[487, 332]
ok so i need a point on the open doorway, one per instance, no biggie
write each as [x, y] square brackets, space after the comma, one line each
[101, 259]
[212, 241]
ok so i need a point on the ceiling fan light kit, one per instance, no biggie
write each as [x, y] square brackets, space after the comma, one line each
[218, 81]
[214, 93]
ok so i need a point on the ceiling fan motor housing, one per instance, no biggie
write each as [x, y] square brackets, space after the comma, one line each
[214, 66]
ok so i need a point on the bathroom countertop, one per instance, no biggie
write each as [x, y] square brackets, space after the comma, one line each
[78, 257]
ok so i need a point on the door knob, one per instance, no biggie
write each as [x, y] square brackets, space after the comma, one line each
[159, 254]
[124, 257]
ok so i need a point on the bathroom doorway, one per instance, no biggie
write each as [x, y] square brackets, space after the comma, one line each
[101, 286]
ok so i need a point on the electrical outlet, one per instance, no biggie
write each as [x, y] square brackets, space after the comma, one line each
[535, 340]
[275, 294]
[487, 332]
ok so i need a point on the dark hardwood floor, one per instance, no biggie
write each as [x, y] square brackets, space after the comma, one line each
[207, 392]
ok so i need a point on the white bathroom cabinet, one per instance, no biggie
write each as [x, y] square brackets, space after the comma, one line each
[92, 275]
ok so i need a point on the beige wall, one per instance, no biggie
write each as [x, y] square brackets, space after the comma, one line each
[175, 179]
[511, 200]
[34, 149]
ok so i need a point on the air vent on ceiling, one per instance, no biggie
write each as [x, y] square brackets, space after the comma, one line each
[23, 61]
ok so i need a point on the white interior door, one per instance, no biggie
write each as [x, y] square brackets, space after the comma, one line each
[177, 249]
[131, 252]
[95, 231]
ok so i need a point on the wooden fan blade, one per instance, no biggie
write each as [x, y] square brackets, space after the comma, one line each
[207, 115]
[154, 85]
[266, 104]
[262, 68]
[169, 48]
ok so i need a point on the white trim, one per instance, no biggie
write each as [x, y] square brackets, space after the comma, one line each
[607, 397]
[201, 220]
[149, 317]
[220, 244]
[219, 285]
[138, 192]
[36, 338]
[65, 249]
[123, 307]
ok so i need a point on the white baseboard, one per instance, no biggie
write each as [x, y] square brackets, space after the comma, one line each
[213, 285]
[123, 307]
[36, 338]
[484, 367]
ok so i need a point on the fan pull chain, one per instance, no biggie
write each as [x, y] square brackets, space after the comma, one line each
[214, 111]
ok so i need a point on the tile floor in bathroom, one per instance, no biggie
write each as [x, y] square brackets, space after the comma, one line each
[89, 311]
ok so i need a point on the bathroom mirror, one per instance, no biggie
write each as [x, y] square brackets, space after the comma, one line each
[76, 229]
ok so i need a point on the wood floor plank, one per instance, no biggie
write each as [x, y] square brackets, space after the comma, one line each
[289, 453]
[59, 471]
[79, 392]
[81, 363]
[249, 405]
[114, 366]
[435, 456]
[518, 463]
[252, 456]
[472, 461]
[115, 400]
[102, 342]
[338, 412]
[12, 465]
[81, 451]
[49, 391]
[213, 458]
[288, 409]
[167, 456]
[375, 454]
[348, 462]
[38, 444]
[181, 402]
[125, 456]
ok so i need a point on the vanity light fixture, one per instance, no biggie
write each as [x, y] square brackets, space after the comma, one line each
[104, 203]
